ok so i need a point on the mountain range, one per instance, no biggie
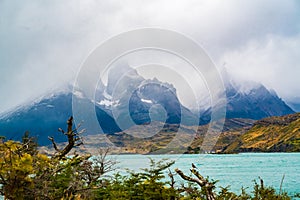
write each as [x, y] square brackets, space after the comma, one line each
[128, 100]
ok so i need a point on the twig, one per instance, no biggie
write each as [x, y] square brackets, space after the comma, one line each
[54, 144]
[281, 183]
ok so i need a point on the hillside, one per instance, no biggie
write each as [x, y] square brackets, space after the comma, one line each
[273, 134]
[171, 138]
[156, 138]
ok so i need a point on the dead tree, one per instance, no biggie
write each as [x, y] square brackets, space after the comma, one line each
[74, 139]
[201, 181]
[96, 167]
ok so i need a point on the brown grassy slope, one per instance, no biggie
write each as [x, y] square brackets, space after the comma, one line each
[274, 134]
[187, 139]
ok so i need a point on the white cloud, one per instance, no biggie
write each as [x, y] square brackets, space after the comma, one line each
[43, 43]
[273, 62]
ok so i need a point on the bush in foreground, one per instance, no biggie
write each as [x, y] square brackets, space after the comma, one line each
[25, 173]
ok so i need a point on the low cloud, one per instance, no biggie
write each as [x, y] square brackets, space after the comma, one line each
[44, 43]
[273, 62]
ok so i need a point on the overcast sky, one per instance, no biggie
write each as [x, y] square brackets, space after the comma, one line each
[43, 43]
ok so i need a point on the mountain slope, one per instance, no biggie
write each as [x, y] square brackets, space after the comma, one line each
[41, 119]
[129, 95]
[272, 134]
[256, 103]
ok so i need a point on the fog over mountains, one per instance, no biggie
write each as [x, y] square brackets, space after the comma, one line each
[128, 99]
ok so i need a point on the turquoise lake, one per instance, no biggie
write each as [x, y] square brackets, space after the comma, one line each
[236, 170]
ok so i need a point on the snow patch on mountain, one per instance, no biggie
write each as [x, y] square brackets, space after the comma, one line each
[146, 101]
[78, 94]
[108, 103]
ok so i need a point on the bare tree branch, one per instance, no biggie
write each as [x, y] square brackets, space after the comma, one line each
[171, 175]
[200, 180]
[54, 144]
[187, 178]
[73, 139]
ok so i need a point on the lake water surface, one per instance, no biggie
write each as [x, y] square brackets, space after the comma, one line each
[236, 170]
